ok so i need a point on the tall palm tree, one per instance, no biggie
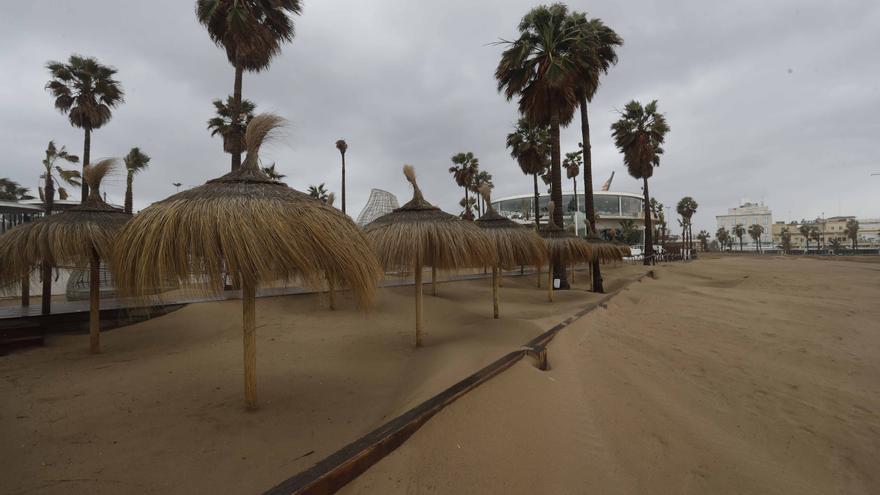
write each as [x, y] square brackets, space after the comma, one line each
[723, 236]
[755, 232]
[86, 91]
[628, 231]
[251, 32]
[272, 173]
[481, 178]
[13, 191]
[541, 67]
[230, 121]
[136, 162]
[530, 147]
[572, 166]
[465, 168]
[739, 231]
[816, 235]
[639, 134]
[318, 192]
[686, 208]
[852, 232]
[467, 203]
[657, 210]
[806, 232]
[599, 42]
[342, 146]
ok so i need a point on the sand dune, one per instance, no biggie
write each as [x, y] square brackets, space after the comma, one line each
[161, 409]
[733, 375]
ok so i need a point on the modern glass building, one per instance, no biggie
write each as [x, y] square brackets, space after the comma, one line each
[612, 208]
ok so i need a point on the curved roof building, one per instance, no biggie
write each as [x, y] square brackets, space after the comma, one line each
[379, 203]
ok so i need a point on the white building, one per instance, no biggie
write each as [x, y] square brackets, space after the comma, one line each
[746, 214]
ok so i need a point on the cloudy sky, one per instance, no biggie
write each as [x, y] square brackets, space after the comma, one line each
[776, 101]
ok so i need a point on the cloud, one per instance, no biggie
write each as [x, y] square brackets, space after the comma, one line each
[774, 102]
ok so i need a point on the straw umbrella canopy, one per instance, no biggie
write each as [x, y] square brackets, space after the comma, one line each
[251, 227]
[80, 236]
[514, 244]
[564, 246]
[419, 234]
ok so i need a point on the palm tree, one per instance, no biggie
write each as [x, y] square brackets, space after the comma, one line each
[272, 173]
[465, 168]
[638, 135]
[805, 231]
[251, 32]
[572, 166]
[318, 192]
[657, 210]
[50, 168]
[86, 91]
[816, 235]
[530, 146]
[785, 235]
[542, 67]
[13, 191]
[739, 231]
[136, 162]
[342, 146]
[482, 178]
[755, 232]
[599, 42]
[703, 236]
[686, 208]
[230, 122]
[835, 245]
[467, 203]
[628, 231]
[723, 236]
[852, 232]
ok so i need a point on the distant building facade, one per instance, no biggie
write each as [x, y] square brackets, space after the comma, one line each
[379, 203]
[831, 228]
[746, 214]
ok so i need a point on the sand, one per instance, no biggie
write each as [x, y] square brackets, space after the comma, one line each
[161, 409]
[734, 375]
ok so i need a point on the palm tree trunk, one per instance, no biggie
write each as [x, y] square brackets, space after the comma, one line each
[576, 205]
[558, 270]
[467, 204]
[589, 205]
[343, 182]
[236, 134]
[87, 148]
[46, 267]
[537, 206]
[649, 237]
[249, 333]
[129, 179]
[418, 287]
[495, 310]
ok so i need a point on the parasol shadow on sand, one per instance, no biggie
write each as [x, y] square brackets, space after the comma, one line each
[80, 236]
[253, 227]
[419, 234]
[564, 246]
[515, 245]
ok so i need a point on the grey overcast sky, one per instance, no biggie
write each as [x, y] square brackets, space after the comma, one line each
[771, 100]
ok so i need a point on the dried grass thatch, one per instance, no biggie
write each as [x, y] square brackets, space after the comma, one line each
[80, 236]
[514, 244]
[419, 234]
[251, 227]
[564, 245]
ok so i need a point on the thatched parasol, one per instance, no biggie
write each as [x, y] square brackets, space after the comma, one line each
[80, 236]
[515, 244]
[419, 234]
[564, 246]
[252, 227]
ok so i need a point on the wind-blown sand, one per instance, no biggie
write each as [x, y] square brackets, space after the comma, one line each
[161, 409]
[734, 375]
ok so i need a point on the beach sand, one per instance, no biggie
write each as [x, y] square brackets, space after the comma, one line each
[161, 410]
[739, 374]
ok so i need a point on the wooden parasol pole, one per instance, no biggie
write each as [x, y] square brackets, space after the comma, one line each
[495, 278]
[433, 281]
[249, 327]
[331, 293]
[538, 274]
[573, 266]
[26, 290]
[550, 283]
[94, 303]
[418, 275]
